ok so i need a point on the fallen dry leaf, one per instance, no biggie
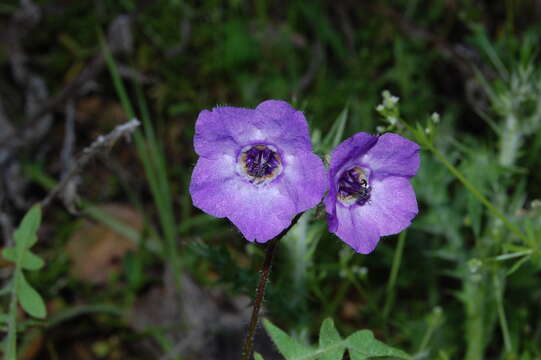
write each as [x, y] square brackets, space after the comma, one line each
[96, 251]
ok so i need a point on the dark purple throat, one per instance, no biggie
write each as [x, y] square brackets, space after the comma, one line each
[260, 163]
[353, 186]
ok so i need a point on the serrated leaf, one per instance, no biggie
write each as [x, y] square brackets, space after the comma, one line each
[329, 337]
[287, 346]
[30, 300]
[363, 345]
[9, 254]
[31, 261]
[257, 356]
[25, 235]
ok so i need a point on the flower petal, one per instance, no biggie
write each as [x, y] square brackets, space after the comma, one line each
[393, 155]
[260, 213]
[391, 207]
[283, 125]
[351, 150]
[348, 151]
[213, 184]
[359, 232]
[304, 180]
[223, 130]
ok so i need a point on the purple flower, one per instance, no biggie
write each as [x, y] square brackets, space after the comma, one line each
[370, 193]
[256, 167]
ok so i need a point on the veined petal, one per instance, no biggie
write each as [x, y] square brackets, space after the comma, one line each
[304, 180]
[361, 233]
[223, 130]
[392, 205]
[393, 155]
[260, 213]
[213, 183]
[351, 150]
[283, 125]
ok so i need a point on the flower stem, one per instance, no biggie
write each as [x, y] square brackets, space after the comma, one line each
[248, 346]
[397, 259]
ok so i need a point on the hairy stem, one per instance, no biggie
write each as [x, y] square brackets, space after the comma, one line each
[248, 346]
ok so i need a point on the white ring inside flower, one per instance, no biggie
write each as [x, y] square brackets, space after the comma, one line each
[259, 164]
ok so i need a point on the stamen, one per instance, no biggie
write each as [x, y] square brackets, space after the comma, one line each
[260, 163]
[353, 187]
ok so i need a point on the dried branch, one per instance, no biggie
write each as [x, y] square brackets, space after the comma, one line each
[101, 144]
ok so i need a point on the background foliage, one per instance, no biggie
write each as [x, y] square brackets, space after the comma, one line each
[133, 271]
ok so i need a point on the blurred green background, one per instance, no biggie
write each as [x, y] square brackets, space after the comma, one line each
[133, 271]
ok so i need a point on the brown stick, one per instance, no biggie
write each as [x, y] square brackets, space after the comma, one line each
[248, 346]
[100, 144]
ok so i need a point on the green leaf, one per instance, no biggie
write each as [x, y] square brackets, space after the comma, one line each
[9, 254]
[4, 318]
[29, 298]
[336, 133]
[31, 261]
[25, 235]
[329, 337]
[363, 345]
[257, 356]
[287, 346]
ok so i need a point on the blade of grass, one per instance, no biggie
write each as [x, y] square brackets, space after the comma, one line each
[153, 164]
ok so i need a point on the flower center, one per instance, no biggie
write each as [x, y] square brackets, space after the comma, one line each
[260, 164]
[353, 187]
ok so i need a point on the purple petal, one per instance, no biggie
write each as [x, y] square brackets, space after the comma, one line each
[392, 205]
[260, 212]
[223, 130]
[361, 233]
[213, 184]
[393, 155]
[351, 149]
[304, 180]
[390, 210]
[284, 126]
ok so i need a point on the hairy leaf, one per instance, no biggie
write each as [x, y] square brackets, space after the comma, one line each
[330, 339]
[363, 345]
[287, 346]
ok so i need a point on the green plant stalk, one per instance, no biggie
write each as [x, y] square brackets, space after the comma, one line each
[11, 347]
[11, 343]
[512, 227]
[474, 327]
[510, 141]
[154, 169]
[501, 315]
[426, 338]
[397, 259]
[453, 170]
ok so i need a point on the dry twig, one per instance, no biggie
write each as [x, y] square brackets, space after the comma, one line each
[101, 144]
